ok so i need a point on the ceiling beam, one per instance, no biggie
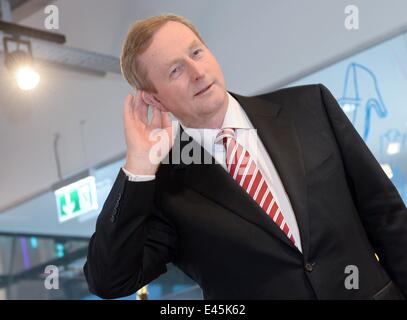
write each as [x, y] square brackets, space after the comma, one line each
[19, 30]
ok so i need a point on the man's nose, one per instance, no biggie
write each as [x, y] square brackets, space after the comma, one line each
[197, 70]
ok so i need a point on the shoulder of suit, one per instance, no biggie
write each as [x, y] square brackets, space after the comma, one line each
[296, 93]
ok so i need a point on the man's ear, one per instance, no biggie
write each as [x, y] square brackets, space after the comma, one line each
[153, 101]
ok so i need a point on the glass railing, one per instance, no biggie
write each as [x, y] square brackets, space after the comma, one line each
[43, 267]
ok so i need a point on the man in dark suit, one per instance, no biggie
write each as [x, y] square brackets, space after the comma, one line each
[291, 213]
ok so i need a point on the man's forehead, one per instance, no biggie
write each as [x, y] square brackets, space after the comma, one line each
[167, 38]
[172, 31]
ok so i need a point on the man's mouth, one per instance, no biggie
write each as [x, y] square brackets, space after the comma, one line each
[203, 90]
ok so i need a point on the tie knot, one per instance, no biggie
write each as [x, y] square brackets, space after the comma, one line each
[224, 134]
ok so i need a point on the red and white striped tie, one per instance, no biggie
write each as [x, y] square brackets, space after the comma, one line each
[244, 170]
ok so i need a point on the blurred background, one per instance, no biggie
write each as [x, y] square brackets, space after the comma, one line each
[61, 131]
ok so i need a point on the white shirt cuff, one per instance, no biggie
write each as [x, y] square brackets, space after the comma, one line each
[138, 177]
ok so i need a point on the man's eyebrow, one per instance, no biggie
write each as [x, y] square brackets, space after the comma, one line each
[193, 44]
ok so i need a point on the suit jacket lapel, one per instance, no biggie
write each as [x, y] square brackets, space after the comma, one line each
[280, 139]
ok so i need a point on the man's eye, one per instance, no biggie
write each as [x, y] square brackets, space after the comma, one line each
[174, 71]
[198, 51]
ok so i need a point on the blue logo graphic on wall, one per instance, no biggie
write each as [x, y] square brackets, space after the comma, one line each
[361, 96]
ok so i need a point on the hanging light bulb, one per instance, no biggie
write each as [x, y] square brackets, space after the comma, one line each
[27, 78]
[20, 64]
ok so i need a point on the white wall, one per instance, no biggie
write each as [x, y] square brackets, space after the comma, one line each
[259, 43]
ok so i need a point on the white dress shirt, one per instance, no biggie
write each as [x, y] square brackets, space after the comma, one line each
[246, 135]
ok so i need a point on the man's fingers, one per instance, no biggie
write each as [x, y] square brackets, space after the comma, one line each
[134, 110]
[165, 119]
[144, 113]
[128, 109]
[156, 120]
[133, 114]
[141, 107]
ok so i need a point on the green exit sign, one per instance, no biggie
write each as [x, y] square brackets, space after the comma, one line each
[76, 198]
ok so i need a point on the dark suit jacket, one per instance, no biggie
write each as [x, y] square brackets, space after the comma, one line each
[197, 217]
